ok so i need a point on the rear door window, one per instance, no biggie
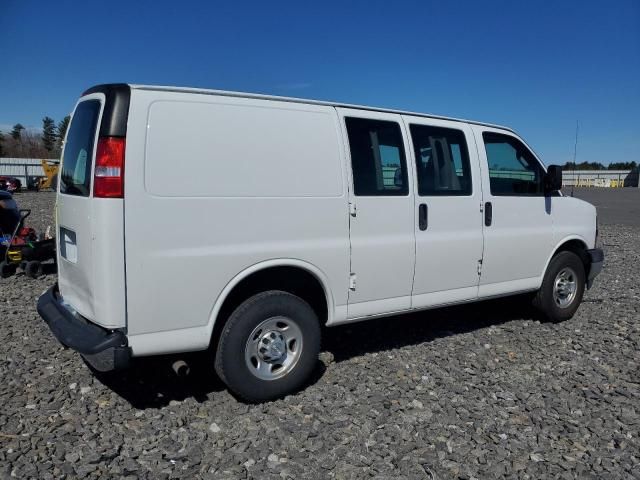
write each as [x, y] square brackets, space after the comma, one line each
[442, 161]
[75, 178]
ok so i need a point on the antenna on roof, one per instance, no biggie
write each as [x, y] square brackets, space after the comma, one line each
[575, 154]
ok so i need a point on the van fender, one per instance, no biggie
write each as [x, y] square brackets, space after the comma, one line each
[276, 262]
[566, 239]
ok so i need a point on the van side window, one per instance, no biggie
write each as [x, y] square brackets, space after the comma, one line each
[442, 161]
[513, 170]
[377, 157]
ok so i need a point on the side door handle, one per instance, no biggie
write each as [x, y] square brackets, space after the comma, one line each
[423, 216]
[488, 214]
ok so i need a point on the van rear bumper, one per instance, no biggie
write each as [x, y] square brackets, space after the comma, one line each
[105, 350]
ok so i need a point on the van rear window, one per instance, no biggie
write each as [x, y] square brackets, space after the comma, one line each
[75, 178]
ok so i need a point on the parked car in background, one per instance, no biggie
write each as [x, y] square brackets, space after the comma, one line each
[285, 215]
[10, 184]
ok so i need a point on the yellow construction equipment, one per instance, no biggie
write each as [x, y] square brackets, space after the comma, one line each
[50, 169]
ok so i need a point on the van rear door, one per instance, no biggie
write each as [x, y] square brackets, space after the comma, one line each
[91, 272]
[381, 231]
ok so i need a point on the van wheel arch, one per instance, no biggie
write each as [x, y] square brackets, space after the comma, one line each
[576, 246]
[294, 279]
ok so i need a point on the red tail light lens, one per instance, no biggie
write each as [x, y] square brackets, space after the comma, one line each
[108, 177]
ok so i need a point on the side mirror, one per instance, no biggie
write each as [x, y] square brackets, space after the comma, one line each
[553, 179]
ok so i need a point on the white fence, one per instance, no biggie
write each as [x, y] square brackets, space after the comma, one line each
[22, 168]
[600, 178]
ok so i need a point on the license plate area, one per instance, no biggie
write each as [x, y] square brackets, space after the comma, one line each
[68, 245]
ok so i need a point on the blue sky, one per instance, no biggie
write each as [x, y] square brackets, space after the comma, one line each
[537, 66]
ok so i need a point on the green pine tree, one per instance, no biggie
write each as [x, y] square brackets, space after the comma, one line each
[17, 131]
[61, 131]
[48, 133]
[62, 127]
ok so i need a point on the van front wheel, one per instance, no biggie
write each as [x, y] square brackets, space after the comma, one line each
[269, 346]
[562, 287]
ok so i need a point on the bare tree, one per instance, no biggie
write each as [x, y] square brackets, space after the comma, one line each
[32, 143]
[27, 145]
[33, 146]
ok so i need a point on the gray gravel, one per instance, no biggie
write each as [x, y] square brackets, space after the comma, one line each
[484, 391]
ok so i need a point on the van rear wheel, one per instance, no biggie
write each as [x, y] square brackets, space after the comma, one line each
[269, 346]
[562, 287]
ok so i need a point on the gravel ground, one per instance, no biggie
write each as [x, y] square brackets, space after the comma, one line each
[482, 391]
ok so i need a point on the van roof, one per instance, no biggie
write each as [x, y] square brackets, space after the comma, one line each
[205, 91]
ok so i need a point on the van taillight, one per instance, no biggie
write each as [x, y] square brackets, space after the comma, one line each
[108, 181]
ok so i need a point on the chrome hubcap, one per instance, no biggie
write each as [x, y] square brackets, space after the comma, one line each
[565, 287]
[273, 348]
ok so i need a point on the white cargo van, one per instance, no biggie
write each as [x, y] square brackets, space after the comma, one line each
[190, 219]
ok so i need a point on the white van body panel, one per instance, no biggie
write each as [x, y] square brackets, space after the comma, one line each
[222, 184]
[518, 242]
[573, 219]
[197, 338]
[452, 243]
[382, 240]
[91, 263]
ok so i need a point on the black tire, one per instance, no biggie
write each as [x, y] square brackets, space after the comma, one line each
[545, 300]
[23, 265]
[33, 269]
[231, 363]
[7, 269]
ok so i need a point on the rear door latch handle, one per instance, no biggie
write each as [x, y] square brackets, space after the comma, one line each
[423, 216]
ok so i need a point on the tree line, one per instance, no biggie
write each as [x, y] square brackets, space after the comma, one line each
[598, 166]
[24, 143]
